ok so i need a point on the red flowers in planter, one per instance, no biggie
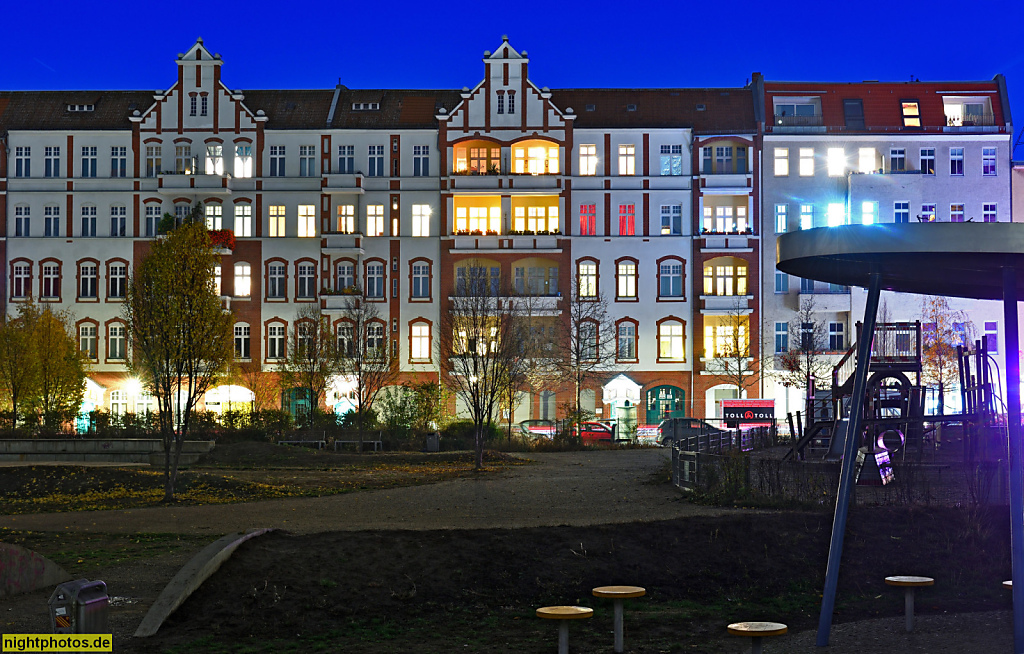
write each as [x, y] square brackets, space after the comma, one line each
[223, 238]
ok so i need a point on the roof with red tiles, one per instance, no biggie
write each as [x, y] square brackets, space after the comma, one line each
[703, 110]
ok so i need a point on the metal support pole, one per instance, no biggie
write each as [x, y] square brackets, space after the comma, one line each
[563, 637]
[1015, 455]
[618, 626]
[908, 608]
[846, 480]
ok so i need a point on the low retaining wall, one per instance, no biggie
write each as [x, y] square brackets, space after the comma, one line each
[120, 450]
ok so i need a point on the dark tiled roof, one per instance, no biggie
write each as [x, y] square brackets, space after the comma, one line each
[48, 110]
[724, 110]
[291, 109]
[398, 108]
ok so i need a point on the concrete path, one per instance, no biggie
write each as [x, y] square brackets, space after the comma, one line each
[565, 488]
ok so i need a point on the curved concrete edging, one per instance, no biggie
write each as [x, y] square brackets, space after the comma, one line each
[23, 571]
[199, 568]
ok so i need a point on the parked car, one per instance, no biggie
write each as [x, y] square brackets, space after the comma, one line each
[593, 433]
[685, 428]
[537, 429]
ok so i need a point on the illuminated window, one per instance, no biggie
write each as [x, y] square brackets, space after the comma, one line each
[806, 216]
[626, 280]
[989, 212]
[627, 160]
[868, 213]
[725, 280]
[346, 219]
[836, 162]
[866, 161]
[588, 160]
[627, 219]
[243, 161]
[420, 342]
[836, 214]
[927, 161]
[988, 161]
[587, 280]
[374, 219]
[214, 160]
[183, 159]
[588, 219]
[670, 341]
[243, 220]
[725, 340]
[956, 213]
[897, 160]
[243, 280]
[307, 220]
[956, 161]
[672, 159]
[216, 280]
[214, 216]
[901, 212]
[927, 213]
[806, 162]
[781, 219]
[277, 216]
[421, 220]
[781, 162]
[911, 113]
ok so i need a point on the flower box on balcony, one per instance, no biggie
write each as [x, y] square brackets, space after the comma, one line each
[223, 239]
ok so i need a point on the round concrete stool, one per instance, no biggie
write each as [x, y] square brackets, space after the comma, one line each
[909, 583]
[563, 614]
[755, 631]
[619, 593]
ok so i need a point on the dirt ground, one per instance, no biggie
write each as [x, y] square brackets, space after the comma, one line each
[464, 565]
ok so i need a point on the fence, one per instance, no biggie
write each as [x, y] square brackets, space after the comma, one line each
[737, 475]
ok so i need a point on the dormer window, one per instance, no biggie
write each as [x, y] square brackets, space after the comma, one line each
[81, 107]
[911, 113]
[630, 107]
[365, 106]
[591, 107]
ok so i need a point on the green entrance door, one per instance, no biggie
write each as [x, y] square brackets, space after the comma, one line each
[664, 402]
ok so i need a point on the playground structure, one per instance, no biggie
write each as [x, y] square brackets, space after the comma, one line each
[932, 259]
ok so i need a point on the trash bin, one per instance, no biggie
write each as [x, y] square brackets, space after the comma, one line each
[434, 442]
[79, 607]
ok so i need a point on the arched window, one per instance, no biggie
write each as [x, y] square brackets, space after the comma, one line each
[243, 280]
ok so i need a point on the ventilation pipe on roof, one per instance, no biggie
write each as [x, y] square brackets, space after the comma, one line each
[334, 103]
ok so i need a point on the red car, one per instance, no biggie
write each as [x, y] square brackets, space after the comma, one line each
[594, 433]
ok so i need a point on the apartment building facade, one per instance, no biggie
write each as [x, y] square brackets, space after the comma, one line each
[647, 197]
[871, 153]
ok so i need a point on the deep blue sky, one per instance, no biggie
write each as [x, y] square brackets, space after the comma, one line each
[119, 45]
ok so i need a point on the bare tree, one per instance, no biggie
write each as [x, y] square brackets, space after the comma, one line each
[311, 359]
[943, 329]
[181, 337]
[481, 339]
[808, 345]
[250, 374]
[735, 357]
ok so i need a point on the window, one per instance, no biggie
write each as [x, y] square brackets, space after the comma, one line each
[306, 279]
[781, 337]
[587, 338]
[866, 160]
[927, 213]
[242, 341]
[672, 159]
[927, 161]
[670, 341]
[988, 162]
[216, 281]
[87, 276]
[627, 160]
[911, 113]
[588, 160]
[88, 161]
[806, 285]
[781, 282]
[725, 340]
[901, 212]
[835, 336]
[277, 159]
[181, 212]
[511, 102]
[956, 161]
[203, 102]
[277, 216]
[781, 218]
[535, 160]
[375, 343]
[836, 162]
[988, 211]
[307, 221]
[51, 221]
[670, 279]
[88, 221]
[307, 161]
[478, 281]
[671, 219]
[421, 280]
[421, 160]
[243, 161]
[806, 216]
[214, 159]
[532, 280]
[501, 102]
[118, 161]
[183, 160]
[118, 221]
[807, 162]
[781, 162]
[420, 346]
[22, 222]
[375, 161]
[627, 219]
[243, 280]
[868, 213]
[214, 216]
[115, 342]
[87, 340]
[375, 280]
[588, 219]
[853, 113]
[421, 220]
[51, 161]
[625, 274]
[836, 214]
[276, 282]
[153, 216]
[243, 220]
[587, 281]
[992, 337]
[117, 278]
[723, 158]
[956, 213]
[897, 160]
[626, 345]
[193, 101]
[346, 219]
[22, 161]
[21, 283]
[343, 336]
[725, 280]
[275, 342]
[375, 220]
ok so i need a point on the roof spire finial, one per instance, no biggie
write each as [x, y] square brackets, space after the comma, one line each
[504, 38]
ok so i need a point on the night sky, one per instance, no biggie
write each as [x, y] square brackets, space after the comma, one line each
[53, 45]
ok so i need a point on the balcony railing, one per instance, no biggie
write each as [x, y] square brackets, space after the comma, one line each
[800, 121]
[971, 120]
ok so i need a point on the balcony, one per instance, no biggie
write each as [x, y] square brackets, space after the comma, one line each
[731, 242]
[726, 305]
[474, 182]
[798, 124]
[344, 183]
[971, 123]
[725, 181]
[172, 183]
[503, 242]
[826, 300]
[342, 244]
[335, 302]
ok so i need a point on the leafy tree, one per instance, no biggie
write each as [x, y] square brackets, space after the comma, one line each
[181, 338]
[19, 376]
[61, 365]
[311, 359]
[250, 375]
[430, 400]
[943, 328]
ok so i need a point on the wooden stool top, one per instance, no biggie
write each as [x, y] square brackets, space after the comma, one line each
[1008, 584]
[619, 592]
[909, 581]
[757, 629]
[564, 612]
